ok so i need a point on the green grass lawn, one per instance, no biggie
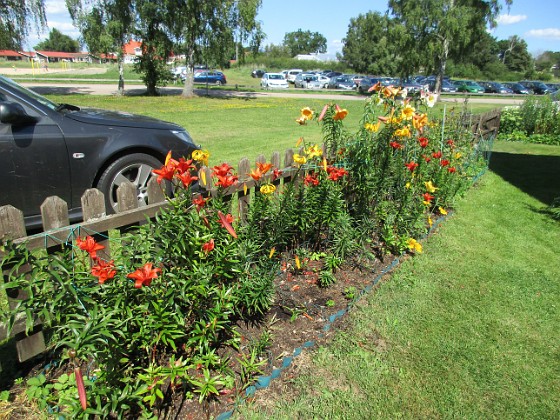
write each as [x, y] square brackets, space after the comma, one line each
[232, 128]
[468, 329]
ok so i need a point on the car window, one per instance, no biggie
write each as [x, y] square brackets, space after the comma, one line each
[27, 92]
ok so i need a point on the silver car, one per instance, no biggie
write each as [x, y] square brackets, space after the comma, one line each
[307, 81]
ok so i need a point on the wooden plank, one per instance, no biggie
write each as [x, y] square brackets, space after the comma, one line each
[93, 208]
[30, 346]
[12, 224]
[243, 197]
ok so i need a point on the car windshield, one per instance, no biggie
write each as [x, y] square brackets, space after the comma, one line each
[41, 99]
[276, 76]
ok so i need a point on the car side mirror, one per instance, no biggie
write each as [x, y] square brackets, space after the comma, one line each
[13, 113]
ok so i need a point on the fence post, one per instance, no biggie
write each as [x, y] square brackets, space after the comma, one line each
[243, 197]
[93, 207]
[275, 160]
[12, 226]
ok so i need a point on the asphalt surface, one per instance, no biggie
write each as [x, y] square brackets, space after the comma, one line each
[134, 90]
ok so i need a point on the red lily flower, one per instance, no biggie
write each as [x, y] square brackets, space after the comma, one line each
[451, 169]
[104, 270]
[444, 162]
[264, 167]
[411, 166]
[199, 201]
[144, 276]
[436, 155]
[208, 246]
[427, 197]
[165, 172]
[256, 174]
[423, 142]
[226, 222]
[450, 143]
[427, 158]
[311, 179]
[187, 178]
[276, 173]
[336, 173]
[396, 145]
[226, 180]
[185, 165]
[89, 245]
[223, 170]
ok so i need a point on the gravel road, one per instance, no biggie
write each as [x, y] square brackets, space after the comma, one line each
[131, 90]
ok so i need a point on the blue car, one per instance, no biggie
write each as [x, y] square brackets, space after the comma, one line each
[211, 77]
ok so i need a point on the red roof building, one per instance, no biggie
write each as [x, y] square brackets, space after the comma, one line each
[11, 55]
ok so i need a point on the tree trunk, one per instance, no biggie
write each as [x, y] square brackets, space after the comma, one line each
[188, 88]
[442, 65]
[120, 60]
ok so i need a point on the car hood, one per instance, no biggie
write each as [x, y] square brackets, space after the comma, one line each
[119, 119]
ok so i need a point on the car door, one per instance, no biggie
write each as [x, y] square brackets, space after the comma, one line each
[34, 161]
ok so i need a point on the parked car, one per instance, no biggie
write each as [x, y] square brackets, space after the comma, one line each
[291, 75]
[332, 74]
[537, 87]
[258, 73]
[446, 86]
[179, 72]
[324, 80]
[554, 87]
[51, 149]
[211, 77]
[518, 88]
[410, 86]
[307, 81]
[274, 81]
[468, 86]
[342, 82]
[495, 87]
[367, 82]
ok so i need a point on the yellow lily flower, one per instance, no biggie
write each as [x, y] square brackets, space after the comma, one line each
[430, 187]
[414, 245]
[299, 159]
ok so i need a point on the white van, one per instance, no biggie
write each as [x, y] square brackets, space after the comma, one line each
[291, 75]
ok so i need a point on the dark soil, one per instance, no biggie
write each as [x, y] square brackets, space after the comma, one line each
[303, 317]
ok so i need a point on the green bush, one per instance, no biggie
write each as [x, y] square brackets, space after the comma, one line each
[537, 120]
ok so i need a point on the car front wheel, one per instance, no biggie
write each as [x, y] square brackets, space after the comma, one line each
[136, 168]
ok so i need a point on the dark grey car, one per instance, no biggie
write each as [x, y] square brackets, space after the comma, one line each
[51, 149]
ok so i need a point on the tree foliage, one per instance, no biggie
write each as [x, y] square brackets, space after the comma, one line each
[370, 47]
[305, 42]
[548, 61]
[106, 26]
[437, 30]
[204, 31]
[514, 55]
[57, 41]
[17, 17]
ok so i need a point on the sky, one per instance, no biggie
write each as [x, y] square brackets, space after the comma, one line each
[535, 21]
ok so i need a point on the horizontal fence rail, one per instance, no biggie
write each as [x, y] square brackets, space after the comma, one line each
[58, 231]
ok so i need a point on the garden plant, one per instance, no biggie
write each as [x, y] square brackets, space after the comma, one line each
[135, 334]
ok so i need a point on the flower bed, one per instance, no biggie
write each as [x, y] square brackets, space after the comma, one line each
[187, 311]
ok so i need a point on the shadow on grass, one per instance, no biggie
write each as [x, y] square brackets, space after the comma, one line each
[536, 175]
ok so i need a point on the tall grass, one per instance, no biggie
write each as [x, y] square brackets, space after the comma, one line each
[468, 329]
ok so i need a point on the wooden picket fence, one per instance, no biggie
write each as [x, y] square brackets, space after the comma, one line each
[58, 231]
